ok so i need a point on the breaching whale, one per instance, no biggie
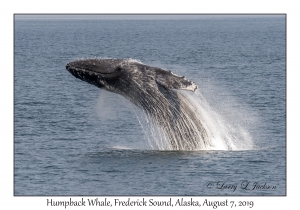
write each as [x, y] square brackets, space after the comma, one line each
[154, 90]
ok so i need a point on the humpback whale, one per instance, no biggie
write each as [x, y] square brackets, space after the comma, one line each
[155, 91]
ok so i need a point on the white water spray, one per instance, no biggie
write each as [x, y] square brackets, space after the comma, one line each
[224, 132]
[229, 133]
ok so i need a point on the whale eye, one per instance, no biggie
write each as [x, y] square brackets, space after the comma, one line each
[118, 68]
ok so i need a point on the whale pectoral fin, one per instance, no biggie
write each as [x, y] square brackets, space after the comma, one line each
[171, 81]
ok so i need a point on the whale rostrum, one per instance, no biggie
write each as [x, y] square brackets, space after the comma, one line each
[154, 90]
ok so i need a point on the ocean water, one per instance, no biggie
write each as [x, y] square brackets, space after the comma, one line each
[72, 138]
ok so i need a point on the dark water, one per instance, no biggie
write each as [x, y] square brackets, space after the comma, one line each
[71, 138]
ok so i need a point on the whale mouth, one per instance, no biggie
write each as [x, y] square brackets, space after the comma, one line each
[89, 65]
[92, 72]
[81, 67]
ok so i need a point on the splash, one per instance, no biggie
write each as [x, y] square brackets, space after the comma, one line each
[230, 132]
[223, 132]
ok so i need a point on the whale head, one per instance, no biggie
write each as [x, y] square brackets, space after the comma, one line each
[99, 72]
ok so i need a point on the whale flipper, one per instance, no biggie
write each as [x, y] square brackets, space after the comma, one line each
[170, 80]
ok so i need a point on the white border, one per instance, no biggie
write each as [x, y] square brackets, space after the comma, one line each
[8, 201]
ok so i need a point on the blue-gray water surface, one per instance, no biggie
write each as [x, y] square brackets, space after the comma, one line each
[72, 138]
